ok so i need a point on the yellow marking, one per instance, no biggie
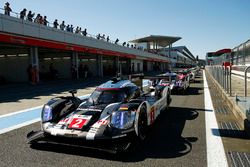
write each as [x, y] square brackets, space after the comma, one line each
[123, 108]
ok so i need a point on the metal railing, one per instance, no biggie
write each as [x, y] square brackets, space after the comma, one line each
[223, 75]
[50, 24]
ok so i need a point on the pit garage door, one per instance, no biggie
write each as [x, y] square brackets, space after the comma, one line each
[14, 61]
[58, 60]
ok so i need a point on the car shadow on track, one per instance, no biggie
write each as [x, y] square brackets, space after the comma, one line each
[164, 140]
[189, 91]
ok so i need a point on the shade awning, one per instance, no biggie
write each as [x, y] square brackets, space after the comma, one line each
[160, 40]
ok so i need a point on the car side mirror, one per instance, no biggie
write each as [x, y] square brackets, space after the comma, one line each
[73, 92]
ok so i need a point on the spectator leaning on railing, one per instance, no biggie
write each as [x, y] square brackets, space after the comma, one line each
[116, 41]
[30, 16]
[23, 14]
[37, 18]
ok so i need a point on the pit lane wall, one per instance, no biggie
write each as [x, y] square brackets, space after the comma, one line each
[224, 84]
[12, 25]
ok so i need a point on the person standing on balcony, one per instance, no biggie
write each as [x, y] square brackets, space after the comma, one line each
[98, 36]
[103, 36]
[45, 21]
[68, 28]
[23, 14]
[77, 30]
[30, 16]
[107, 38]
[71, 28]
[62, 26]
[55, 23]
[37, 18]
[7, 9]
[116, 41]
[84, 33]
[41, 20]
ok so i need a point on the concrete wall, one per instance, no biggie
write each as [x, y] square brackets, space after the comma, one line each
[13, 69]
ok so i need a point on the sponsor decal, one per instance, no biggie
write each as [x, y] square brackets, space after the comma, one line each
[63, 121]
[79, 121]
[90, 109]
[94, 128]
[152, 114]
[123, 107]
[103, 122]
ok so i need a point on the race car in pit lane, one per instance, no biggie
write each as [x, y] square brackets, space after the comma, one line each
[182, 82]
[115, 114]
[167, 79]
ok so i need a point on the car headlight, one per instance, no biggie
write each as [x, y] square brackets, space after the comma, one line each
[46, 113]
[123, 119]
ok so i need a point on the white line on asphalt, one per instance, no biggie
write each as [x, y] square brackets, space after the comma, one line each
[19, 125]
[30, 109]
[215, 150]
[21, 111]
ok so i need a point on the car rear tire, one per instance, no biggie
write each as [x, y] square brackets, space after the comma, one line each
[168, 99]
[142, 123]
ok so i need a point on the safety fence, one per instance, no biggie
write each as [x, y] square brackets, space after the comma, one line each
[240, 55]
[233, 79]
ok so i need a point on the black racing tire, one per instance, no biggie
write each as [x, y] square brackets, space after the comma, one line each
[142, 123]
[168, 99]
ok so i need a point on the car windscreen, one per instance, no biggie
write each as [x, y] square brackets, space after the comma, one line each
[107, 96]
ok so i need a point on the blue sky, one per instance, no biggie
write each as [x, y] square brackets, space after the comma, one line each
[204, 25]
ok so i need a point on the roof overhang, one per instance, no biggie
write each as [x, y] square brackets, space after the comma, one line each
[222, 51]
[162, 41]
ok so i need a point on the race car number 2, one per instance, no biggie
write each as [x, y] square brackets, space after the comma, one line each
[77, 123]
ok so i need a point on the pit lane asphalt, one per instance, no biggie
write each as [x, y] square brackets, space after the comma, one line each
[177, 139]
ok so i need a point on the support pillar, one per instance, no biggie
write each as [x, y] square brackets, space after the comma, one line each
[99, 66]
[117, 66]
[34, 61]
[75, 63]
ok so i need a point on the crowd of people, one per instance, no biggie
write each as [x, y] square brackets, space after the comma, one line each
[30, 16]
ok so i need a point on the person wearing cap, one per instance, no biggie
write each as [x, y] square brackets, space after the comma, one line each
[23, 14]
[7, 9]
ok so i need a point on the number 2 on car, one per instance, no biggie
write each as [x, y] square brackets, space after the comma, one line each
[77, 123]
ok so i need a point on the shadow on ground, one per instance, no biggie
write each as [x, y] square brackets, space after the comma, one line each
[164, 140]
[17, 92]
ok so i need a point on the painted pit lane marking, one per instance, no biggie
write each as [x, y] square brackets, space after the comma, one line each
[15, 120]
[215, 150]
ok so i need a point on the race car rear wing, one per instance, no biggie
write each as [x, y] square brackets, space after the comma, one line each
[139, 79]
